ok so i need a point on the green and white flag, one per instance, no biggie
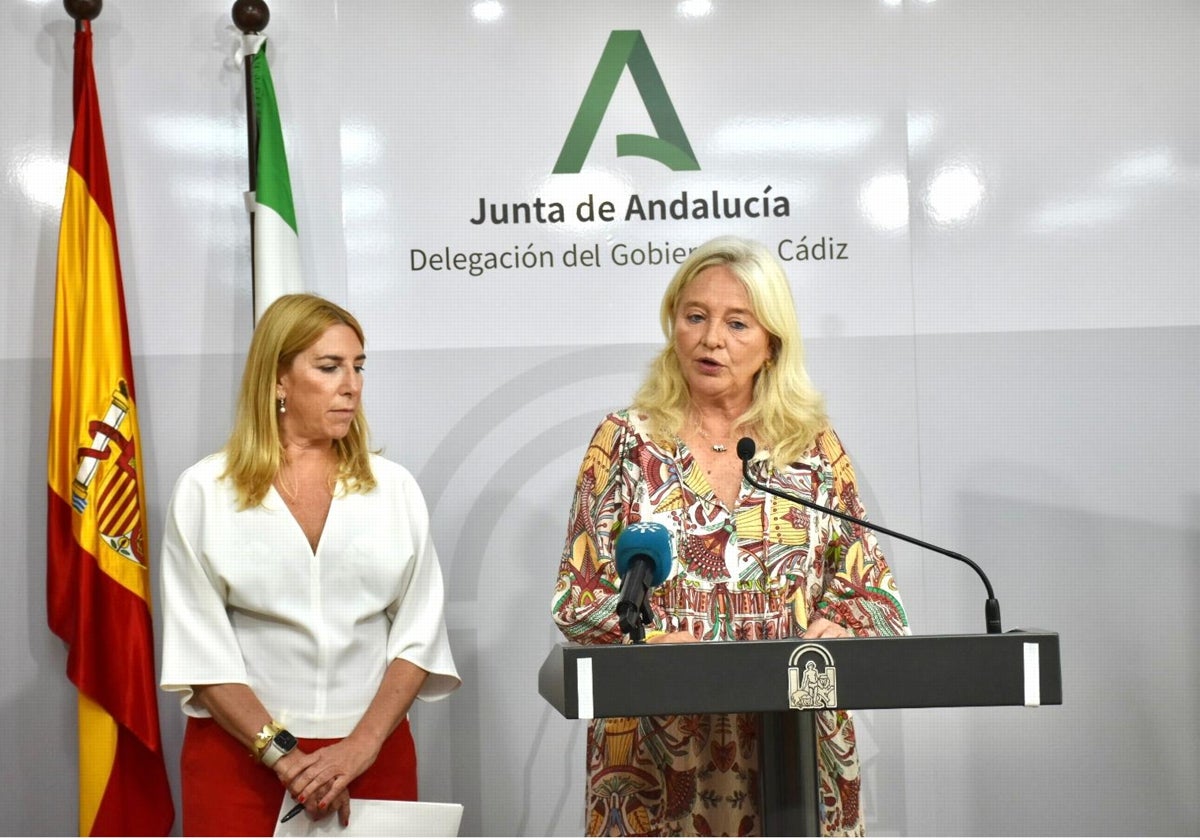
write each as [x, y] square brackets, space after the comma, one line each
[276, 244]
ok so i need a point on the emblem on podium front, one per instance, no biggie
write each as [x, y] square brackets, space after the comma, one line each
[812, 679]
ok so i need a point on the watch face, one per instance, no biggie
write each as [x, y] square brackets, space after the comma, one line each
[285, 741]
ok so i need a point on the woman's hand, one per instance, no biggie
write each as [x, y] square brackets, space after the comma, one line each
[239, 712]
[823, 628]
[320, 780]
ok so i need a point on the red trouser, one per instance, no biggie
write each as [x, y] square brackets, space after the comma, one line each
[227, 793]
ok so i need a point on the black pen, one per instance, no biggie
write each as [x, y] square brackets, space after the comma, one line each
[296, 809]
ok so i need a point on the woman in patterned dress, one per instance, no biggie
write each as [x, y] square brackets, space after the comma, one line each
[746, 565]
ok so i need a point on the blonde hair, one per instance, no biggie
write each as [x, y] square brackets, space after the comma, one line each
[254, 451]
[786, 412]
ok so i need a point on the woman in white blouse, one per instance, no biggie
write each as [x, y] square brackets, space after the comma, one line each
[302, 597]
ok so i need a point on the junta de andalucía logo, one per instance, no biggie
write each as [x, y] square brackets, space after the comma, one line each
[627, 48]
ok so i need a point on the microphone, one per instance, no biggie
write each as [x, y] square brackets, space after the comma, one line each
[643, 552]
[991, 607]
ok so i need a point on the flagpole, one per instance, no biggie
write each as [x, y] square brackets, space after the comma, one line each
[83, 11]
[251, 17]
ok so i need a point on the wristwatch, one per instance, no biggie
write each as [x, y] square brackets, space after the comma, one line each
[282, 744]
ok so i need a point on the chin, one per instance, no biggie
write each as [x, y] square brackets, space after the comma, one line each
[338, 432]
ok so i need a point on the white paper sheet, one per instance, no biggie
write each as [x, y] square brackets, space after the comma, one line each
[377, 818]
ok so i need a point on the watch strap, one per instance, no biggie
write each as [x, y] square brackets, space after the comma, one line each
[274, 753]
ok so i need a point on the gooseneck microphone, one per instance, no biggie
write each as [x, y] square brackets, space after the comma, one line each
[643, 553]
[991, 608]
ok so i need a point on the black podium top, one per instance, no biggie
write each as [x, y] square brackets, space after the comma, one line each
[1018, 668]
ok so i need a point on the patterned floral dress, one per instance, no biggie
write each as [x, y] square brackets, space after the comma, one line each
[760, 571]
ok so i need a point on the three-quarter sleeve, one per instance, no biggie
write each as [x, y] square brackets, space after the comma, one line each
[585, 595]
[199, 644]
[418, 627]
[859, 591]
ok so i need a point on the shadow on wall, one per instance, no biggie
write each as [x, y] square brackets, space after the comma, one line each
[502, 566]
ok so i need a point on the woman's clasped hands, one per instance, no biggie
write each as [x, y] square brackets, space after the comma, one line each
[320, 780]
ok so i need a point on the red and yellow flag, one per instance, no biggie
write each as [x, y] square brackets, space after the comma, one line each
[98, 582]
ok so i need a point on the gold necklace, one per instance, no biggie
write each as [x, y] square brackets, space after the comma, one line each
[716, 447]
[289, 490]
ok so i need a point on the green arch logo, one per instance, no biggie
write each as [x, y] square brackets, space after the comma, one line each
[627, 48]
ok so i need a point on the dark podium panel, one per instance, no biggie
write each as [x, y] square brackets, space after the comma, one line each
[788, 679]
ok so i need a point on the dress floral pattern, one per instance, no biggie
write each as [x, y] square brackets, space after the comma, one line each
[759, 571]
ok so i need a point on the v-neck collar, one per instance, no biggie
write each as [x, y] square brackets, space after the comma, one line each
[287, 511]
[694, 479]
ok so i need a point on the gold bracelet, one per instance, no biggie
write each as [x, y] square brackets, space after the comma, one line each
[654, 634]
[264, 737]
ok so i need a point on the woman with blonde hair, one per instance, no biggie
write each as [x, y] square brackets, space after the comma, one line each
[302, 597]
[745, 565]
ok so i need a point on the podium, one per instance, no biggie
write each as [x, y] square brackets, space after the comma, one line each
[788, 680]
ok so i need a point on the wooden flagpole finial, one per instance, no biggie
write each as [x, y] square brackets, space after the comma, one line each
[83, 10]
[250, 15]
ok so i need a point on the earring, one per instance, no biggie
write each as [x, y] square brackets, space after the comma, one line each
[282, 406]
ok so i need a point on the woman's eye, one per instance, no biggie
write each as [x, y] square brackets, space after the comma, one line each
[694, 318]
[329, 368]
[360, 368]
[737, 325]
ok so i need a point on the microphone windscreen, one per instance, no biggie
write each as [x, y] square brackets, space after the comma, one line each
[648, 539]
[745, 449]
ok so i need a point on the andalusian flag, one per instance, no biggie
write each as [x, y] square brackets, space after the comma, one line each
[98, 584]
[276, 245]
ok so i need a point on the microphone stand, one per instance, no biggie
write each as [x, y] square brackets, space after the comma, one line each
[745, 451]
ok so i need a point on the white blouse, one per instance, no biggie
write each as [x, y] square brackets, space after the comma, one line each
[246, 600]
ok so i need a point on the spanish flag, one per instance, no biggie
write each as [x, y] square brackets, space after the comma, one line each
[98, 583]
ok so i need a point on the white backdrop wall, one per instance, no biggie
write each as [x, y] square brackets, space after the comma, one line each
[1008, 348]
